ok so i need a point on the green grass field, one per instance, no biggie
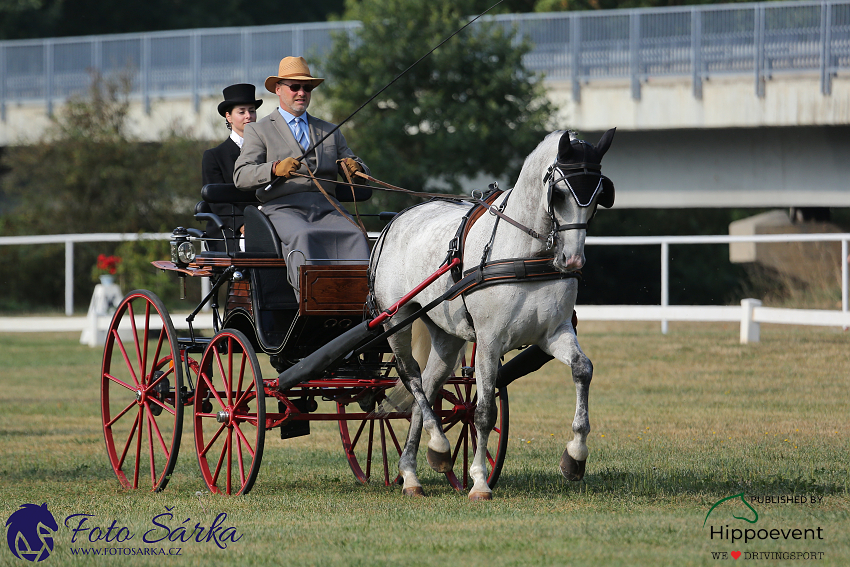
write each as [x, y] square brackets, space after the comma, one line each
[679, 422]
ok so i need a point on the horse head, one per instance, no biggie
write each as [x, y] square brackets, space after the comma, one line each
[575, 186]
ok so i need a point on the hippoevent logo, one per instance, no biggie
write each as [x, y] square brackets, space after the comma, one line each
[30, 532]
[736, 532]
[747, 504]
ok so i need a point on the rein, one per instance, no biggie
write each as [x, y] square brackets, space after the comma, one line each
[492, 209]
[316, 180]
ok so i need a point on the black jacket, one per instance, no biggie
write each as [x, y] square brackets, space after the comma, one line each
[217, 167]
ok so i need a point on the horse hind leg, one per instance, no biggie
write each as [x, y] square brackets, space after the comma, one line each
[444, 358]
[409, 374]
[422, 415]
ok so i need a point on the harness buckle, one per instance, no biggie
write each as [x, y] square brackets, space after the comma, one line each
[454, 245]
[550, 241]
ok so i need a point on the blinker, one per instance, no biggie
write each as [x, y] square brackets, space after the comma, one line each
[584, 185]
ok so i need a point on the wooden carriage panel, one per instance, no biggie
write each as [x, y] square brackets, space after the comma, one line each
[333, 290]
[239, 295]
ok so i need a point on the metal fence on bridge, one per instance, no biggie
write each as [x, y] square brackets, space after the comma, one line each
[760, 39]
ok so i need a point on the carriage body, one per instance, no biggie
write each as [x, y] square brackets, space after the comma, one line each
[151, 376]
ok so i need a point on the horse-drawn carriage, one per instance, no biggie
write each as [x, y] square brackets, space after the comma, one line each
[327, 346]
[151, 375]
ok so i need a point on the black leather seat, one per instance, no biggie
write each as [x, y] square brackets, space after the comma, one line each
[227, 202]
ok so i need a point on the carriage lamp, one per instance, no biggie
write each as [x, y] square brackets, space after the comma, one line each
[182, 251]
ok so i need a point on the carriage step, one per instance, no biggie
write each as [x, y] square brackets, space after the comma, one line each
[296, 428]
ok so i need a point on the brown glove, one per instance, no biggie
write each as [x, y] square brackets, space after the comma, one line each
[350, 165]
[286, 167]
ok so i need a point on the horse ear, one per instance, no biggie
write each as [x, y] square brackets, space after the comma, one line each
[605, 142]
[606, 198]
[564, 146]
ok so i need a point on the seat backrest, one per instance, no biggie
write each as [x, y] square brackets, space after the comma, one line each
[226, 193]
[260, 235]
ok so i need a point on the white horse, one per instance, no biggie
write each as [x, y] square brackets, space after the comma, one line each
[556, 194]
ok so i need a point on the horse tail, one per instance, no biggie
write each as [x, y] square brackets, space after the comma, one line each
[420, 343]
[398, 398]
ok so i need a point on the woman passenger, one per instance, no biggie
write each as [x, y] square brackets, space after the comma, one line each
[238, 108]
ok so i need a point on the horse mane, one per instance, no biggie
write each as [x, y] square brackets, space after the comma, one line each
[541, 158]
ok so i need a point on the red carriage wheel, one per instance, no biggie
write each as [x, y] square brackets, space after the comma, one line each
[230, 414]
[140, 392]
[373, 443]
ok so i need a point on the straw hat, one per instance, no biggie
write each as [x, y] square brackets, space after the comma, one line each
[293, 68]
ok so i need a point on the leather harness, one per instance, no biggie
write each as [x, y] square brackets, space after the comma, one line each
[497, 271]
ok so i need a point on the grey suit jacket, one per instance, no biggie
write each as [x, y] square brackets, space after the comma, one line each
[270, 139]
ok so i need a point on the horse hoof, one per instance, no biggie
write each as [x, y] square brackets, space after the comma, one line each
[440, 462]
[413, 492]
[476, 496]
[571, 468]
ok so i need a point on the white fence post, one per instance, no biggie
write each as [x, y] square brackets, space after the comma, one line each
[845, 259]
[665, 282]
[750, 329]
[69, 277]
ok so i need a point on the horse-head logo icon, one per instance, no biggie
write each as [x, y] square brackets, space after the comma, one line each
[30, 532]
[747, 504]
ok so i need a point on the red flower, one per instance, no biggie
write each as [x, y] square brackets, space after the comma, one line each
[108, 263]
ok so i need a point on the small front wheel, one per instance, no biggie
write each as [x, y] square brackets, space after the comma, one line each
[230, 414]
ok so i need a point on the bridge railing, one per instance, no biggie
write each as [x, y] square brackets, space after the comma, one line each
[750, 313]
[760, 39]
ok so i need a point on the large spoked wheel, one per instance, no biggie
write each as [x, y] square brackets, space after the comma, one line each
[459, 398]
[140, 392]
[373, 442]
[230, 414]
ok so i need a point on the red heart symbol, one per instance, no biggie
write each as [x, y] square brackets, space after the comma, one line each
[735, 554]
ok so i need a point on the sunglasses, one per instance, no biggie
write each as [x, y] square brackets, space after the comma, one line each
[297, 87]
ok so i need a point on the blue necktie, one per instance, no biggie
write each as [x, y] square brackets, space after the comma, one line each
[301, 134]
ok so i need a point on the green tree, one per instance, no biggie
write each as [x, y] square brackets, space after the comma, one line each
[470, 108]
[89, 174]
[56, 18]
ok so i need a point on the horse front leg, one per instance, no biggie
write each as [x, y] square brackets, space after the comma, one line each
[486, 369]
[564, 346]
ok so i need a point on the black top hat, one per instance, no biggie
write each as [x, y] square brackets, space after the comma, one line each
[235, 95]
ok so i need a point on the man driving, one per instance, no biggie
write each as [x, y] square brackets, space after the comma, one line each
[274, 150]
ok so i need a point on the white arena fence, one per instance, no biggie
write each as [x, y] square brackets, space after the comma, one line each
[750, 313]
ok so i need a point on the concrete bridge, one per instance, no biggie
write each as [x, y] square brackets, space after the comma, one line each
[742, 105]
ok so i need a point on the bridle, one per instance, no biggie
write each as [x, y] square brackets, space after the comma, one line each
[558, 172]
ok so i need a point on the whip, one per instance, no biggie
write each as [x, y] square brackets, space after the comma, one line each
[385, 87]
